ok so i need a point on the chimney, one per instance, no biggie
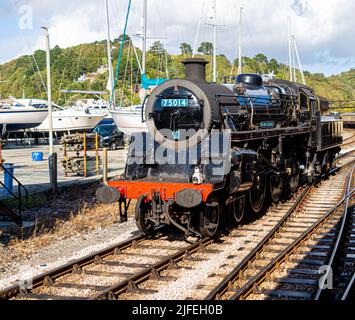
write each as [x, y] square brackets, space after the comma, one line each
[195, 69]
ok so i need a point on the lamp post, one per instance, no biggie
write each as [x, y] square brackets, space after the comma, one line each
[49, 91]
[52, 158]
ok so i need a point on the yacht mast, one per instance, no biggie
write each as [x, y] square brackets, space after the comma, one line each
[198, 31]
[289, 50]
[240, 42]
[214, 42]
[143, 68]
[144, 38]
[298, 60]
[109, 58]
[293, 59]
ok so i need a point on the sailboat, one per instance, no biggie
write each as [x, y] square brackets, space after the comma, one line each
[22, 114]
[129, 120]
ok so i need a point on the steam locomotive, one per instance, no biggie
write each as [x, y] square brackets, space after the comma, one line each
[216, 150]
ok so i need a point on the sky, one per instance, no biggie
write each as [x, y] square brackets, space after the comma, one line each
[324, 29]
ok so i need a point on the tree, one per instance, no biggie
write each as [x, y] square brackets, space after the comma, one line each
[157, 48]
[273, 65]
[260, 57]
[40, 57]
[206, 48]
[186, 49]
[319, 76]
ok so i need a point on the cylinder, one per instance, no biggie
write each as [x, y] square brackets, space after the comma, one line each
[9, 176]
[53, 171]
[105, 159]
[195, 69]
[249, 79]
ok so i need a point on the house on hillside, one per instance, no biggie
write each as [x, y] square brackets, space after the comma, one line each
[102, 70]
[82, 78]
[93, 75]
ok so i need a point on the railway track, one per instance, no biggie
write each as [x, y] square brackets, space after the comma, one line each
[342, 259]
[99, 275]
[286, 264]
[87, 278]
[349, 138]
[132, 268]
[348, 141]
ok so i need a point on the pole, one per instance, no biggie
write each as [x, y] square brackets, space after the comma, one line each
[289, 49]
[53, 159]
[214, 42]
[0, 150]
[197, 34]
[109, 58]
[144, 39]
[97, 153]
[143, 92]
[49, 91]
[85, 153]
[240, 42]
[299, 61]
[105, 162]
[293, 59]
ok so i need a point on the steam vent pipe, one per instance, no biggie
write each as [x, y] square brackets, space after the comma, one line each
[195, 69]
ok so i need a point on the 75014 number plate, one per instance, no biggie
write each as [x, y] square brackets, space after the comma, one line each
[170, 103]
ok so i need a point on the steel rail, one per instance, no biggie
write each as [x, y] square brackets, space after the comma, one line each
[113, 292]
[340, 156]
[349, 138]
[349, 287]
[152, 272]
[224, 285]
[340, 236]
[346, 143]
[253, 283]
[73, 266]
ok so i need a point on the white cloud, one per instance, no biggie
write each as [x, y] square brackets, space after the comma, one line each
[324, 30]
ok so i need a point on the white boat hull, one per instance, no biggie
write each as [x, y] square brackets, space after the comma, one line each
[70, 121]
[128, 122]
[21, 119]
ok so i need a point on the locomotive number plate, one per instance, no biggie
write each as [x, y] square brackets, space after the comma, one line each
[174, 103]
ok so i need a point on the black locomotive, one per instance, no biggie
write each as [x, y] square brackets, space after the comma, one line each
[241, 143]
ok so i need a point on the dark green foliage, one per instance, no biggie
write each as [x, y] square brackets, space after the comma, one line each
[273, 65]
[157, 48]
[206, 48]
[261, 58]
[186, 49]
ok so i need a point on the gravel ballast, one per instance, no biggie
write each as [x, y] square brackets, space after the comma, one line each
[64, 251]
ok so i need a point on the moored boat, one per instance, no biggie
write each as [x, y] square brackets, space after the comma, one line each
[72, 119]
[129, 120]
[22, 114]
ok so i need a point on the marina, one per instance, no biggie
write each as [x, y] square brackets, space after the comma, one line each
[34, 175]
[173, 152]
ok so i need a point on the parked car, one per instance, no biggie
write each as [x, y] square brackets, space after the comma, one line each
[110, 136]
